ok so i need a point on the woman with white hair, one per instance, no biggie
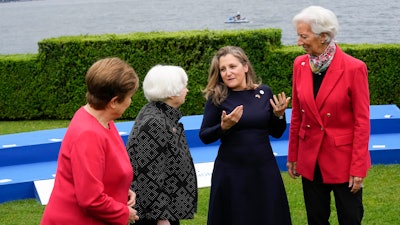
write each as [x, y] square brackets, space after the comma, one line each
[165, 178]
[330, 125]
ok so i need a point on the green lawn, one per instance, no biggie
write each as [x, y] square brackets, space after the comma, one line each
[381, 196]
[11, 127]
[381, 202]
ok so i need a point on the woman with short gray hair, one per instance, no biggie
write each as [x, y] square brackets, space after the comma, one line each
[321, 21]
[330, 125]
[165, 178]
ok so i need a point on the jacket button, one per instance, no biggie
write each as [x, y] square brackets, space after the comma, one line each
[328, 115]
[322, 128]
[302, 110]
[308, 126]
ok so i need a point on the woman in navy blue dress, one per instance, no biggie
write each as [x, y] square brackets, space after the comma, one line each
[246, 186]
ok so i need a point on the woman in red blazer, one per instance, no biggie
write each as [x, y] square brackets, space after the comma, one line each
[330, 125]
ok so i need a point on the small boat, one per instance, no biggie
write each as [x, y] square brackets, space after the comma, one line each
[236, 19]
[233, 19]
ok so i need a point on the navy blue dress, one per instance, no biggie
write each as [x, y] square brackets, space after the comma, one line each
[246, 186]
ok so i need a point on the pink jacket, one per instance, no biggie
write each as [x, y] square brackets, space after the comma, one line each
[93, 176]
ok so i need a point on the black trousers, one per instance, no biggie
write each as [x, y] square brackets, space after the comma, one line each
[317, 198]
[152, 222]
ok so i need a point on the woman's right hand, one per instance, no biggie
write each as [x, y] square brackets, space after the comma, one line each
[132, 215]
[229, 120]
[291, 166]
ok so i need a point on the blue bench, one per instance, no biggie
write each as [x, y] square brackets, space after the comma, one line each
[32, 156]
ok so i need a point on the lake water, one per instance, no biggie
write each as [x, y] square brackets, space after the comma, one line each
[24, 23]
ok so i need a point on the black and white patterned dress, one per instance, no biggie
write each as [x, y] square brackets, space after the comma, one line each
[165, 178]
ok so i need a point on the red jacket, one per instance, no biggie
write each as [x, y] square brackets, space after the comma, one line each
[334, 128]
[93, 176]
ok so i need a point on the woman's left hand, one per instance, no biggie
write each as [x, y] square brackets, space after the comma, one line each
[131, 198]
[163, 222]
[280, 104]
[356, 183]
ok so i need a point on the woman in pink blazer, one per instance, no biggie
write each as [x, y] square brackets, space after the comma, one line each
[330, 125]
[93, 177]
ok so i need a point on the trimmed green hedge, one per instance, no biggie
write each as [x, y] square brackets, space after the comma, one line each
[50, 84]
[19, 87]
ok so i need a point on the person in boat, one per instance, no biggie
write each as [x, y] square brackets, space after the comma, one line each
[237, 17]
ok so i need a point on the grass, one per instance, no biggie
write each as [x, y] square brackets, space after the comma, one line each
[11, 127]
[381, 198]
